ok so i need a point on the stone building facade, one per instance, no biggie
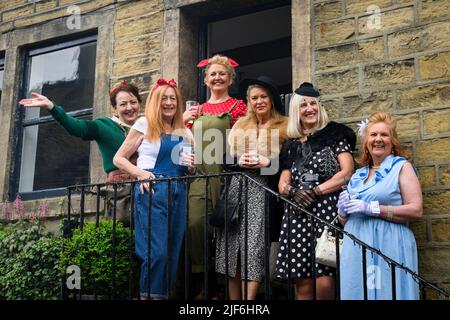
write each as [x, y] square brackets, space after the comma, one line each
[364, 55]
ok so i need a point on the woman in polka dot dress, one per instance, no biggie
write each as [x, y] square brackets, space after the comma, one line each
[314, 163]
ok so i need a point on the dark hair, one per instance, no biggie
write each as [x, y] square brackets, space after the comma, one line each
[130, 88]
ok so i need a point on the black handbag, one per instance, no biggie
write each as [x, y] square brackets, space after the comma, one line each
[231, 207]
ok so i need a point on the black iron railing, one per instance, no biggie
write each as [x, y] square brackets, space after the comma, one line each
[77, 219]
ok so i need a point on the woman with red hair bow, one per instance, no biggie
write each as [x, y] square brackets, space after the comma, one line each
[157, 138]
[214, 117]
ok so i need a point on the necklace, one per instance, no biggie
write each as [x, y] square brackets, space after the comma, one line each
[373, 167]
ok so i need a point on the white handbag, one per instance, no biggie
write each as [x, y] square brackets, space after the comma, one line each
[326, 248]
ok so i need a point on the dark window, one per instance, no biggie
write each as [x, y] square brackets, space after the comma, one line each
[49, 157]
[259, 49]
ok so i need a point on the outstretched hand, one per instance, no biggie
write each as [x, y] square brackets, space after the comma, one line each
[39, 101]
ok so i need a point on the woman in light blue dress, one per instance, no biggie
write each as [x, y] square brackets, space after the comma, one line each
[382, 197]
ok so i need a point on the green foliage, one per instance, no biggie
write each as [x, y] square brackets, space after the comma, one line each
[92, 250]
[29, 263]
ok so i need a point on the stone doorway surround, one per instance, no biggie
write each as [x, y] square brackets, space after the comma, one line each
[182, 18]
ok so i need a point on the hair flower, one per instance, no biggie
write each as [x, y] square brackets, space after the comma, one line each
[362, 127]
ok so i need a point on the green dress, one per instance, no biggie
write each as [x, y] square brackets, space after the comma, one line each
[212, 157]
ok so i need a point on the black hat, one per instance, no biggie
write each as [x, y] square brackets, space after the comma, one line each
[267, 83]
[307, 89]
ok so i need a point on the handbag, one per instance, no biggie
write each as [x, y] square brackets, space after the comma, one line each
[217, 218]
[326, 248]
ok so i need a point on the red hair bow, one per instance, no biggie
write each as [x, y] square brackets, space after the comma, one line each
[205, 62]
[123, 83]
[164, 82]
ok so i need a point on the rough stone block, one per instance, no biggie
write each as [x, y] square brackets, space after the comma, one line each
[327, 11]
[28, 21]
[435, 150]
[444, 175]
[389, 21]
[45, 5]
[365, 105]
[433, 263]
[66, 2]
[137, 46]
[436, 202]
[350, 54]
[389, 74]
[408, 126]
[440, 229]
[335, 32]
[136, 9]
[436, 121]
[413, 40]
[134, 65]
[335, 82]
[6, 26]
[361, 6]
[432, 10]
[138, 26]
[9, 4]
[332, 108]
[434, 66]
[18, 12]
[427, 176]
[419, 228]
[93, 5]
[424, 96]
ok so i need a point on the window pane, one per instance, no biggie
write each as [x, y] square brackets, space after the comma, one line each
[65, 77]
[52, 159]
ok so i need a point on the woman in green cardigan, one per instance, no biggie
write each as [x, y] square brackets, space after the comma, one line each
[108, 132]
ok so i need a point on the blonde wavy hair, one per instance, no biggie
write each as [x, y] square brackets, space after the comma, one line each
[222, 60]
[377, 117]
[295, 126]
[153, 114]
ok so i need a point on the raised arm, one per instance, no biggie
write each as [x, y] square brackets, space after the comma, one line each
[84, 129]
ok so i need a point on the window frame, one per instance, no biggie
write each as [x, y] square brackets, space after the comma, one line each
[20, 123]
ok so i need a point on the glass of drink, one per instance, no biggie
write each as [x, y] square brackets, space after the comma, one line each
[186, 150]
[192, 105]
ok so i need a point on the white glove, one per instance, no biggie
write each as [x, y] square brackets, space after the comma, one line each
[344, 198]
[356, 206]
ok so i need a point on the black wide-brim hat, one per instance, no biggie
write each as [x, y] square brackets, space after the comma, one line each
[267, 83]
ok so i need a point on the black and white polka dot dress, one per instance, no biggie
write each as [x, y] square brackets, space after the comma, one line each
[296, 246]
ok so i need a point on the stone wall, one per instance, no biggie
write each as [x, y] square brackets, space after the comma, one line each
[396, 60]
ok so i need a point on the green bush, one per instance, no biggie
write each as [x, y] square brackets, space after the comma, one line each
[29, 263]
[91, 250]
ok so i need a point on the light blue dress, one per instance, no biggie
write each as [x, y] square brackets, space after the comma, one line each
[395, 240]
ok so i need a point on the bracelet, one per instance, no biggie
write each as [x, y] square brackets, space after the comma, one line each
[390, 213]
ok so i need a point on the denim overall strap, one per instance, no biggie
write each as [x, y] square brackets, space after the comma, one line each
[166, 164]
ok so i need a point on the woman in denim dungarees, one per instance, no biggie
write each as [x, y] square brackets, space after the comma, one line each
[157, 138]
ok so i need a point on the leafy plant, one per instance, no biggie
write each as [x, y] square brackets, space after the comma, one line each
[29, 263]
[91, 249]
